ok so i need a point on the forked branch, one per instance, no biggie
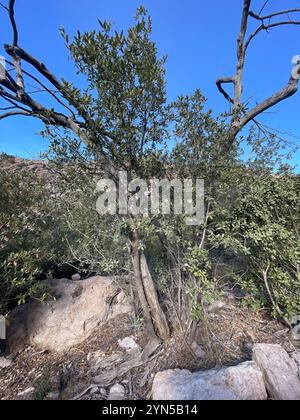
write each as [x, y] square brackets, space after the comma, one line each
[240, 116]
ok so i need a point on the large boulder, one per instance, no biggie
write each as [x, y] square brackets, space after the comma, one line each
[280, 372]
[243, 382]
[79, 308]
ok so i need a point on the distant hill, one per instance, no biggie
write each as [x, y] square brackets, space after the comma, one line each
[13, 163]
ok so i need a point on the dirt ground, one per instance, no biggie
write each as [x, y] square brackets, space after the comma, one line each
[226, 338]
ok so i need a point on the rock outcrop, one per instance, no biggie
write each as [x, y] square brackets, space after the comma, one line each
[243, 382]
[280, 372]
[80, 307]
[272, 374]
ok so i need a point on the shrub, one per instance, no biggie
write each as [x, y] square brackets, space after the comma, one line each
[261, 231]
[25, 248]
[45, 225]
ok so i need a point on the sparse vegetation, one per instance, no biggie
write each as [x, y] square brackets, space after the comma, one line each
[42, 388]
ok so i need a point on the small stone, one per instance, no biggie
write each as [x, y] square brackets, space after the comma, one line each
[117, 392]
[76, 277]
[5, 363]
[216, 307]
[128, 344]
[199, 352]
[118, 389]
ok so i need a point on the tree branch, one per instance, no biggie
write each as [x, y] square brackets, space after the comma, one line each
[12, 100]
[271, 16]
[17, 88]
[264, 27]
[39, 66]
[4, 7]
[16, 60]
[11, 12]
[46, 89]
[238, 123]
[44, 71]
[283, 94]
[14, 113]
[18, 54]
[225, 80]
[14, 92]
[8, 82]
[241, 53]
[8, 108]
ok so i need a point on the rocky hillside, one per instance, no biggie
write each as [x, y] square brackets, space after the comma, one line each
[12, 163]
[87, 344]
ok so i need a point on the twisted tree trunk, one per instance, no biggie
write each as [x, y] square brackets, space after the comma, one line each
[154, 317]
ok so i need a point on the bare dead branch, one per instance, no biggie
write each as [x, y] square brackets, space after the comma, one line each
[11, 10]
[7, 108]
[264, 6]
[271, 16]
[14, 113]
[264, 27]
[244, 25]
[10, 99]
[44, 71]
[39, 66]
[241, 53]
[35, 107]
[225, 80]
[46, 89]
[270, 102]
[11, 84]
[16, 60]
[243, 42]
[16, 92]
[4, 7]
[283, 23]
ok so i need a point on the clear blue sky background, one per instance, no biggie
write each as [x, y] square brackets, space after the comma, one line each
[198, 36]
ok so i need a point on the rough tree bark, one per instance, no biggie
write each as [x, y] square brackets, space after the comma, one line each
[157, 313]
[155, 319]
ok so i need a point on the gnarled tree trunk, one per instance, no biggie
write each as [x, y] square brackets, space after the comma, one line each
[154, 317]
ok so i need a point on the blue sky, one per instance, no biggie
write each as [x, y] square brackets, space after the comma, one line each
[198, 36]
